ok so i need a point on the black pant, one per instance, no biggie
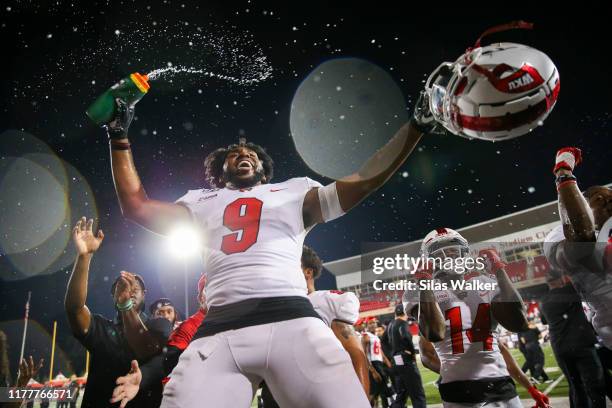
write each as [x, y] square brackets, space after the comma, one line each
[535, 361]
[605, 356]
[538, 362]
[584, 374]
[380, 388]
[408, 381]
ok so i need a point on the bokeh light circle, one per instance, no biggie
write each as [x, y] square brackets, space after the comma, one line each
[41, 198]
[343, 112]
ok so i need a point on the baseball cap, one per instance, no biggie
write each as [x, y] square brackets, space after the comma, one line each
[161, 302]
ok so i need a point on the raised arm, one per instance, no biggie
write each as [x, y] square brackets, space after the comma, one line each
[507, 306]
[431, 320]
[349, 191]
[27, 371]
[347, 336]
[157, 216]
[379, 168]
[141, 340]
[432, 324]
[86, 243]
[576, 214]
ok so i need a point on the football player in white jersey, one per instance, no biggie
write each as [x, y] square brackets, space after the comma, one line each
[373, 347]
[472, 369]
[256, 294]
[340, 311]
[430, 359]
[581, 246]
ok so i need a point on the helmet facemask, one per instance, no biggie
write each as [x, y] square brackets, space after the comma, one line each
[441, 88]
[453, 248]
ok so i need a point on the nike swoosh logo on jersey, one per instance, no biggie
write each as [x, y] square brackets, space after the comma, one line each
[207, 197]
[274, 190]
[202, 356]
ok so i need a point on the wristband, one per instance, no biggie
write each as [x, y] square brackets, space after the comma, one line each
[497, 265]
[116, 145]
[565, 177]
[124, 307]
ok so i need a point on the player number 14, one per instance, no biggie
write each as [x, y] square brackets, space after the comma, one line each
[479, 332]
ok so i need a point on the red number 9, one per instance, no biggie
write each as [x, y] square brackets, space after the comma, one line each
[243, 216]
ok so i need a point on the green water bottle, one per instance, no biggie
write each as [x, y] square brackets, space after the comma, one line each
[130, 90]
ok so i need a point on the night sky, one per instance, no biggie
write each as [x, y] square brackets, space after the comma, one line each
[57, 59]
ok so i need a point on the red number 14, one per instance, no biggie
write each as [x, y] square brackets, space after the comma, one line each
[479, 332]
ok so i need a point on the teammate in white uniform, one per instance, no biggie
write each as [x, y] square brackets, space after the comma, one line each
[378, 378]
[472, 369]
[372, 341]
[253, 233]
[581, 247]
[338, 310]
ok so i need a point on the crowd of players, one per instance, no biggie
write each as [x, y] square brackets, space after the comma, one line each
[262, 323]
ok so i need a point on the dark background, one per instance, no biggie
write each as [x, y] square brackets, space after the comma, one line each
[47, 85]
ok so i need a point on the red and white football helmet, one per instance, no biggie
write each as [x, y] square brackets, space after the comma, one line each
[497, 92]
[437, 241]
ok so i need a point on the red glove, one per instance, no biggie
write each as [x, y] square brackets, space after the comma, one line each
[539, 397]
[423, 272]
[492, 258]
[567, 158]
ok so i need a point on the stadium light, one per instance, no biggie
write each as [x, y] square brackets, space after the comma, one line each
[184, 243]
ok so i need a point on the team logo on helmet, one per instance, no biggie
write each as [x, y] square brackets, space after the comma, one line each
[496, 92]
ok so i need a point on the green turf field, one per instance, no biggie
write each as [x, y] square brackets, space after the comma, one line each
[561, 389]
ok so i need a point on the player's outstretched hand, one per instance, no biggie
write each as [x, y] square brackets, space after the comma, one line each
[27, 371]
[567, 159]
[541, 399]
[118, 127]
[127, 386]
[84, 239]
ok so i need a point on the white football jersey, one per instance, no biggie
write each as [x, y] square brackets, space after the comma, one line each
[595, 287]
[469, 350]
[335, 305]
[253, 239]
[375, 348]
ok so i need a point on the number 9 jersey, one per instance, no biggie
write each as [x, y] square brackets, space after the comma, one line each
[469, 350]
[252, 239]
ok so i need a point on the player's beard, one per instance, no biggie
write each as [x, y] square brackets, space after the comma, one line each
[244, 183]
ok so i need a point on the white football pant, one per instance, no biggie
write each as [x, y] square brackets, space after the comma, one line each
[301, 360]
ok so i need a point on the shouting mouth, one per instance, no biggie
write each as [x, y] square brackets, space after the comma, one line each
[245, 165]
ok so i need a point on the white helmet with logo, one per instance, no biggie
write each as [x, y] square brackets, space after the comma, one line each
[497, 92]
[442, 239]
